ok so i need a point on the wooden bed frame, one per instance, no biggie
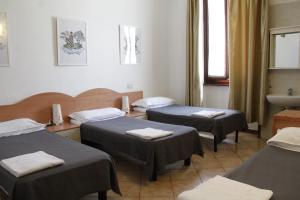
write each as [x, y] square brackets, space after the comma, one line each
[39, 107]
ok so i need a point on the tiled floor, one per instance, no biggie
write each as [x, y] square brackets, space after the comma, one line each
[178, 178]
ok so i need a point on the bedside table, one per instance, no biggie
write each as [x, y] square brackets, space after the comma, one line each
[286, 118]
[138, 115]
[67, 130]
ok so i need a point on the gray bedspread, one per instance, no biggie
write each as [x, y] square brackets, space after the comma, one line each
[112, 137]
[274, 169]
[181, 115]
[86, 170]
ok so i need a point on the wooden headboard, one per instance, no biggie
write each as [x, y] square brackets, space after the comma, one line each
[39, 107]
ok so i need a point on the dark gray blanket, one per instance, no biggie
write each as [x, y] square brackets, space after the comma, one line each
[86, 170]
[274, 169]
[112, 137]
[181, 115]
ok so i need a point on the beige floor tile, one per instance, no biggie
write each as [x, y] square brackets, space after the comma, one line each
[157, 198]
[181, 186]
[129, 189]
[132, 176]
[121, 198]
[184, 174]
[211, 163]
[156, 189]
[231, 162]
[225, 153]
[206, 174]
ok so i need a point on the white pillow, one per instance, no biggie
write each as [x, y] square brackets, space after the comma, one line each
[97, 114]
[286, 138]
[152, 102]
[19, 126]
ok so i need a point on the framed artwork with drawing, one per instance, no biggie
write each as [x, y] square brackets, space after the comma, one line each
[71, 42]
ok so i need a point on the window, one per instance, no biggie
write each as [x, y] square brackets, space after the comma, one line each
[215, 42]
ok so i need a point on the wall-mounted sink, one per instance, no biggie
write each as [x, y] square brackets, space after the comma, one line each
[284, 100]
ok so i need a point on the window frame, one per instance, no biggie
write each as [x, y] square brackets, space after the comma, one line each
[214, 80]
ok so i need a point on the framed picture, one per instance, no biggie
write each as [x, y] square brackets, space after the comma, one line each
[71, 42]
[130, 45]
[4, 57]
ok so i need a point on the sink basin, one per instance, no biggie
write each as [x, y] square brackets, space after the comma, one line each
[284, 100]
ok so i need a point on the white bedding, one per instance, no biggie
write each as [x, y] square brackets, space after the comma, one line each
[140, 109]
[208, 113]
[97, 114]
[19, 126]
[221, 188]
[286, 138]
[152, 102]
[149, 133]
[29, 163]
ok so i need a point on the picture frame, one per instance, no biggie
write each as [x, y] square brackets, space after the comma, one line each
[130, 45]
[71, 42]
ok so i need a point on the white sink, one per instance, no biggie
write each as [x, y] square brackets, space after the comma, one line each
[284, 100]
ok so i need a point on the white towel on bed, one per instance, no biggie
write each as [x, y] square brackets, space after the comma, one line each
[221, 188]
[149, 133]
[286, 138]
[208, 113]
[29, 163]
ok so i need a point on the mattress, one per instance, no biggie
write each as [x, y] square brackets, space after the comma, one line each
[86, 170]
[272, 168]
[111, 137]
[219, 126]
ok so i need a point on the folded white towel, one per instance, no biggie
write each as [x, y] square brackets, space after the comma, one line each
[149, 133]
[223, 188]
[29, 163]
[286, 138]
[208, 113]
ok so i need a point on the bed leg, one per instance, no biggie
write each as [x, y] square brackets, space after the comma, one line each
[259, 131]
[153, 176]
[187, 162]
[215, 144]
[236, 136]
[102, 195]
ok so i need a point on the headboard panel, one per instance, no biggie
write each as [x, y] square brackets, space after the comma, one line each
[39, 107]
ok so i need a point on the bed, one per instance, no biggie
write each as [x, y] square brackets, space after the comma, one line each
[86, 170]
[272, 168]
[219, 127]
[110, 136]
[272, 173]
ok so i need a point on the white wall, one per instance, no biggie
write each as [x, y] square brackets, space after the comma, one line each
[32, 47]
[177, 49]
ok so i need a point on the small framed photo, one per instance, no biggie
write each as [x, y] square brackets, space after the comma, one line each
[71, 42]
